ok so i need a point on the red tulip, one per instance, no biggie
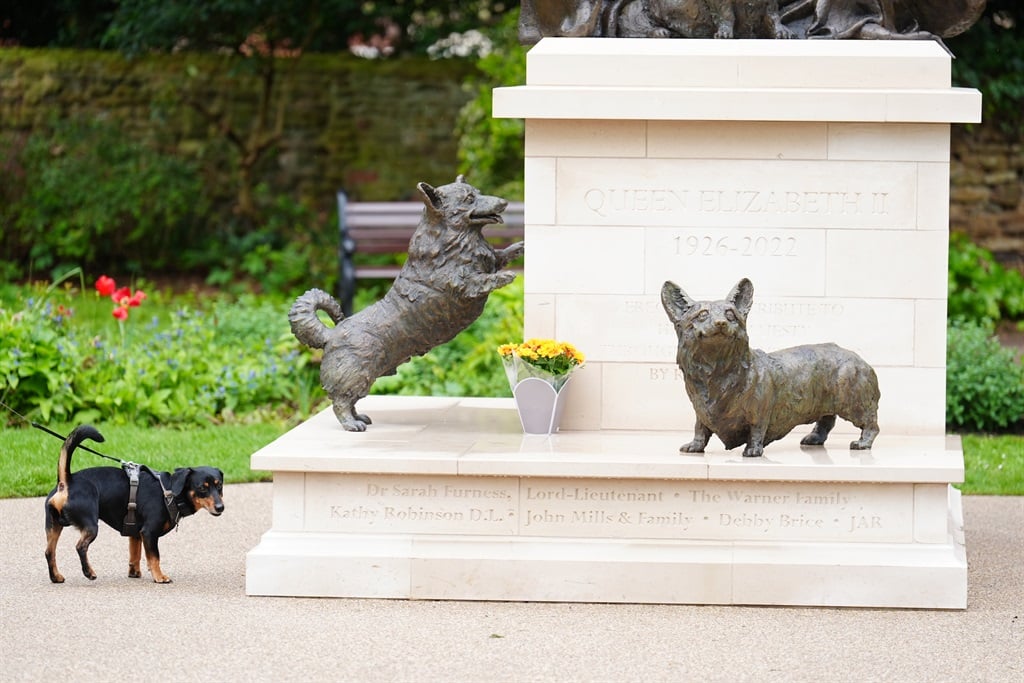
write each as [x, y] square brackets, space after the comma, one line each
[120, 312]
[105, 286]
[121, 294]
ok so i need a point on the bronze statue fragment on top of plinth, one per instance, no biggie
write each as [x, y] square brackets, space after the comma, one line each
[747, 396]
[842, 19]
[442, 288]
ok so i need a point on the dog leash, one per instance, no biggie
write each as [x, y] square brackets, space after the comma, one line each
[132, 469]
[62, 438]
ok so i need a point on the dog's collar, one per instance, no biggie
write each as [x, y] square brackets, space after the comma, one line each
[173, 507]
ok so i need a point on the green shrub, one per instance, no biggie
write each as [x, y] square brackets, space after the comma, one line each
[984, 380]
[66, 359]
[981, 289]
[490, 149]
[292, 248]
[88, 193]
[163, 365]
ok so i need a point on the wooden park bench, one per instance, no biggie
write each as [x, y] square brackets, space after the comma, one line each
[386, 228]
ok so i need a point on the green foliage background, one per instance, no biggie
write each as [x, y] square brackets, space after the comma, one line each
[172, 362]
[990, 57]
[490, 149]
[984, 381]
[980, 288]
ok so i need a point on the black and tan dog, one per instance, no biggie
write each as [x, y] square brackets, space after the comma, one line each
[83, 498]
[440, 291]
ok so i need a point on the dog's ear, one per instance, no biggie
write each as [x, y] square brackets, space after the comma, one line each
[675, 300]
[179, 480]
[430, 196]
[460, 179]
[742, 296]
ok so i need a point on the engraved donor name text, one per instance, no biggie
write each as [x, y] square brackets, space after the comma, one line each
[595, 508]
[667, 511]
[435, 491]
[424, 502]
[610, 201]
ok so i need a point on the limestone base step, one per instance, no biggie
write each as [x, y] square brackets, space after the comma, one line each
[447, 499]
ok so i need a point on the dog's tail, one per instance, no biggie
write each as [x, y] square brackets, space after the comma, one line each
[306, 326]
[76, 437]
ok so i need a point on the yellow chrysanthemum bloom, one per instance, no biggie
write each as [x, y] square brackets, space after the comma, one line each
[554, 357]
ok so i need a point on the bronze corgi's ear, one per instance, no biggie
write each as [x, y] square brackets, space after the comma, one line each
[742, 296]
[676, 302]
[430, 196]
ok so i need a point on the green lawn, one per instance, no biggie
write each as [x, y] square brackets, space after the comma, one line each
[29, 463]
[994, 464]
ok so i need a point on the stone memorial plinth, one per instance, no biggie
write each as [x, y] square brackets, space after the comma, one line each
[819, 169]
[447, 499]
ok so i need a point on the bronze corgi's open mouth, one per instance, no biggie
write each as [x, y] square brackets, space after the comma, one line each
[488, 212]
[487, 218]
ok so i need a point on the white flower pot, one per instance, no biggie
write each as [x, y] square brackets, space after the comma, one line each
[540, 405]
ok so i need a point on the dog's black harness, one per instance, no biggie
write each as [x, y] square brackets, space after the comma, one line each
[132, 469]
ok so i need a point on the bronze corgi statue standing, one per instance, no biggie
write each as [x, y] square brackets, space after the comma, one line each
[747, 396]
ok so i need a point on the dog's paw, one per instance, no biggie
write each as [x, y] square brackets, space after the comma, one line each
[354, 425]
[753, 451]
[134, 573]
[162, 578]
[513, 252]
[57, 578]
[504, 278]
[692, 447]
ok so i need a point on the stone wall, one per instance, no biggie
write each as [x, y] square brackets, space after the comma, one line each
[987, 190]
[372, 128]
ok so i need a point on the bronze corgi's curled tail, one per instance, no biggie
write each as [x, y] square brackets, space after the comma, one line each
[76, 437]
[306, 326]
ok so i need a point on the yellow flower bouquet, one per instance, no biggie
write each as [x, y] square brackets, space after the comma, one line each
[538, 370]
[545, 359]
